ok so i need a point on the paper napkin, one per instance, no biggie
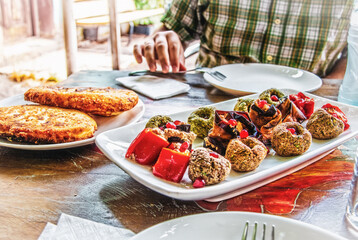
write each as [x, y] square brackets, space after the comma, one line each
[48, 231]
[154, 87]
[75, 228]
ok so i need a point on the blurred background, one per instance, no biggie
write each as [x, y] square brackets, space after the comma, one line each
[32, 39]
[32, 49]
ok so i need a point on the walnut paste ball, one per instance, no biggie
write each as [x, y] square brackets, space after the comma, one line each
[323, 125]
[290, 139]
[208, 165]
[245, 154]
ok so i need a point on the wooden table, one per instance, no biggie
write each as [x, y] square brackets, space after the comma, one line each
[37, 186]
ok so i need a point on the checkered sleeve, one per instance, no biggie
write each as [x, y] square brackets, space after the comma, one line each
[182, 17]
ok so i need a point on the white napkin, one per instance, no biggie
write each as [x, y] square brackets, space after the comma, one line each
[154, 87]
[48, 231]
[75, 228]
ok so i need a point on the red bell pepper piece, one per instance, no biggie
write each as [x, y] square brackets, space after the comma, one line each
[146, 147]
[171, 164]
[304, 103]
[336, 112]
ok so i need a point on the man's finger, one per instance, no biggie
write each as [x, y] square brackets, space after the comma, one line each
[174, 46]
[161, 47]
[137, 52]
[150, 55]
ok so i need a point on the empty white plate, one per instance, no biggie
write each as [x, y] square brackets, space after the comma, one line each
[256, 77]
[230, 225]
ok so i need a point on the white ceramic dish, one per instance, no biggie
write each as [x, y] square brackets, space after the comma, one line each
[114, 144]
[256, 77]
[230, 225]
[103, 123]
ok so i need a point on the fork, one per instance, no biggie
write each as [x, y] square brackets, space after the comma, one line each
[215, 74]
[246, 231]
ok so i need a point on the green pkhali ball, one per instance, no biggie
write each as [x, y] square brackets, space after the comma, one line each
[157, 121]
[243, 104]
[202, 120]
[266, 95]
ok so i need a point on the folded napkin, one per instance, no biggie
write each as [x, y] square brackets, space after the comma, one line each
[154, 87]
[48, 231]
[75, 228]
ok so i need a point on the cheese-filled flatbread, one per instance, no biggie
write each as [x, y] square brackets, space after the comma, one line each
[44, 124]
[98, 101]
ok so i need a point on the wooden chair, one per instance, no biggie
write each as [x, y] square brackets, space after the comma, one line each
[97, 13]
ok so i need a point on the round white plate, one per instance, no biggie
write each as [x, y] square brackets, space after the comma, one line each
[256, 77]
[103, 124]
[230, 225]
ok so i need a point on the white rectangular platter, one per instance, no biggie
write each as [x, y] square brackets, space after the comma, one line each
[114, 144]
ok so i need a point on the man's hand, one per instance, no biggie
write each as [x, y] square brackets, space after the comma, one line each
[165, 47]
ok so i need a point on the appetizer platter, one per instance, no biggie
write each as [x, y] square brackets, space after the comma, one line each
[218, 149]
[50, 118]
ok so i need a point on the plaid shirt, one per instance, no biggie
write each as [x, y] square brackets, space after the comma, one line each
[306, 34]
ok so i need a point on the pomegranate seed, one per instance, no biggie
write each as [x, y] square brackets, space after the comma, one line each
[177, 122]
[292, 130]
[171, 125]
[199, 183]
[184, 146]
[214, 154]
[233, 122]
[274, 98]
[262, 103]
[244, 134]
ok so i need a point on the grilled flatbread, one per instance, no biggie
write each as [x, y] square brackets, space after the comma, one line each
[43, 124]
[98, 101]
